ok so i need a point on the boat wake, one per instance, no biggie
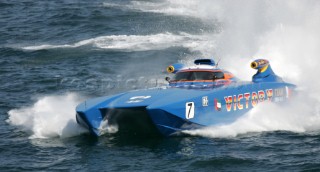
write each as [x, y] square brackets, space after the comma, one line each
[188, 8]
[130, 43]
[49, 116]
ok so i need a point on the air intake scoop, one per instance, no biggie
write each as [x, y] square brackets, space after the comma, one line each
[265, 72]
[205, 62]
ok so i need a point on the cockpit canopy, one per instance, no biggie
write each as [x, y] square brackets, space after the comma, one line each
[198, 76]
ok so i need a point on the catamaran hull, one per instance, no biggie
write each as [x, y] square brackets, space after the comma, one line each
[139, 121]
[170, 111]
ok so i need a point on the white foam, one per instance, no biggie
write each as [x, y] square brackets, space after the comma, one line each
[169, 7]
[49, 116]
[135, 42]
[105, 128]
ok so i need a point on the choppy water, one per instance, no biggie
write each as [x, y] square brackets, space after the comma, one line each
[56, 54]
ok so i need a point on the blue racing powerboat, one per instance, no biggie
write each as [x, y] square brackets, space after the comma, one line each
[197, 96]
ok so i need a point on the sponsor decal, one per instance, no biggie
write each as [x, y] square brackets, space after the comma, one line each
[288, 92]
[189, 110]
[239, 104]
[137, 99]
[217, 105]
[243, 101]
[228, 102]
[262, 62]
[205, 101]
[280, 94]
[254, 99]
[269, 94]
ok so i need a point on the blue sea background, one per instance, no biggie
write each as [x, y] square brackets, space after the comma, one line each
[55, 54]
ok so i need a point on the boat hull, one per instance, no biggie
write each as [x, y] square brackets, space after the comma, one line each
[169, 111]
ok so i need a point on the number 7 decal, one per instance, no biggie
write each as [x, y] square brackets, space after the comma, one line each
[189, 110]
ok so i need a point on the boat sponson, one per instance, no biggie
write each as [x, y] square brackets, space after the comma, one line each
[130, 120]
[169, 124]
[144, 121]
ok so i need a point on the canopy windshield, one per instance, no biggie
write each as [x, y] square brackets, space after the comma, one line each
[197, 75]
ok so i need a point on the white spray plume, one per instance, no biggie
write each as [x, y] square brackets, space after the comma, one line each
[50, 116]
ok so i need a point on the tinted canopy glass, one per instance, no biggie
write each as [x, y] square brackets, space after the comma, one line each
[197, 75]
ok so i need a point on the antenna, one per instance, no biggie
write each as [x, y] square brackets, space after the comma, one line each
[218, 62]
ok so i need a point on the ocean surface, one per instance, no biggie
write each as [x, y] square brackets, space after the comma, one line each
[56, 54]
